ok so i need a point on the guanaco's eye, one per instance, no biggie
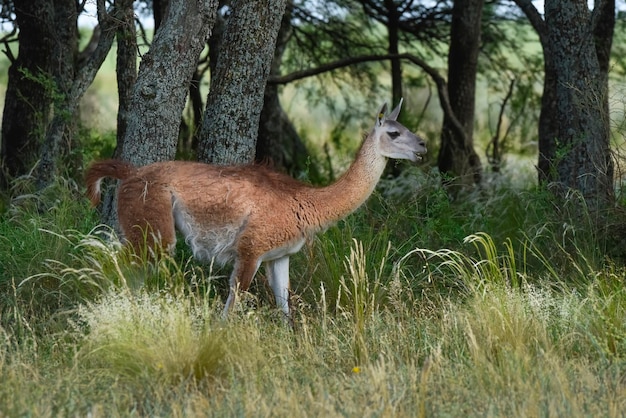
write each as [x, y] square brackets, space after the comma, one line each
[393, 134]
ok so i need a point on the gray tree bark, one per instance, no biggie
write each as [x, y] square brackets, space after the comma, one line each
[72, 83]
[126, 68]
[231, 119]
[574, 125]
[278, 141]
[158, 96]
[160, 92]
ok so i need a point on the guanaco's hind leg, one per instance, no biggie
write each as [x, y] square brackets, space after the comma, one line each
[145, 216]
[240, 279]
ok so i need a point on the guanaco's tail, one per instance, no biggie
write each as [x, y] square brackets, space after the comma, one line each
[108, 168]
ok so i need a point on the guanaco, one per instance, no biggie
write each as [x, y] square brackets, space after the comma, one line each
[246, 214]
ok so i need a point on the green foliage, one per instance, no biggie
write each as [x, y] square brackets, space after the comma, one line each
[33, 226]
[47, 83]
[95, 145]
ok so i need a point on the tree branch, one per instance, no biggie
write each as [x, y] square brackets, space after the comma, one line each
[440, 82]
[92, 62]
[534, 17]
[6, 39]
[603, 26]
[331, 66]
[493, 151]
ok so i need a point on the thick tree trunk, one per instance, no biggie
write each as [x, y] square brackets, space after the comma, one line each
[160, 92]
[457, 159]
[74, 87]
[231, 120]
[30, 89]
[581, 144]
[574, 124]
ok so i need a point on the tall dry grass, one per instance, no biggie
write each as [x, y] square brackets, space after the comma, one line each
[502, 349]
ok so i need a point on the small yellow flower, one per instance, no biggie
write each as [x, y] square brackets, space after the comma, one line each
[356, 369]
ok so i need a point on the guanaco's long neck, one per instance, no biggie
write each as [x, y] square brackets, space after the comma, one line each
[352, 189]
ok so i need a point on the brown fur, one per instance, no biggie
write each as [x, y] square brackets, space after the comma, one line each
[247, 214]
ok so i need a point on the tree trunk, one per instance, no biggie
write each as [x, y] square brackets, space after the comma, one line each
[231, 120]
[278, 141]
[63, 124]
[574, 124]
[582, 158]
[393, 30]
[457, 159]
[30, 89]
[548, 123]
[126, 68]
[74, 87]
[160, 92]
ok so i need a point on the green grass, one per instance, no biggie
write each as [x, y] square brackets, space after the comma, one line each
[413, 306]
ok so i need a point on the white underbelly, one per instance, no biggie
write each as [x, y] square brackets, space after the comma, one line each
[219, 242]
[209, 242]
[280, 252]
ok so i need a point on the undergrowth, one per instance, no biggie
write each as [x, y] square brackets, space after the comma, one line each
[489, 305]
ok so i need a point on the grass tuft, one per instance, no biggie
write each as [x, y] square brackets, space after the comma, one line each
[151, 340]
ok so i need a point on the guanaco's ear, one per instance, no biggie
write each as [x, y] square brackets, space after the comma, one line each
[380, 117]
[395, 112]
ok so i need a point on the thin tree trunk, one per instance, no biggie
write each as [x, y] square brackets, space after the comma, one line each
[126, 68]
[457, 158]
[278, 141]
[393, 30]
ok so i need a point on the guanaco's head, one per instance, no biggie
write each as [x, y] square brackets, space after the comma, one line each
[394, 140]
